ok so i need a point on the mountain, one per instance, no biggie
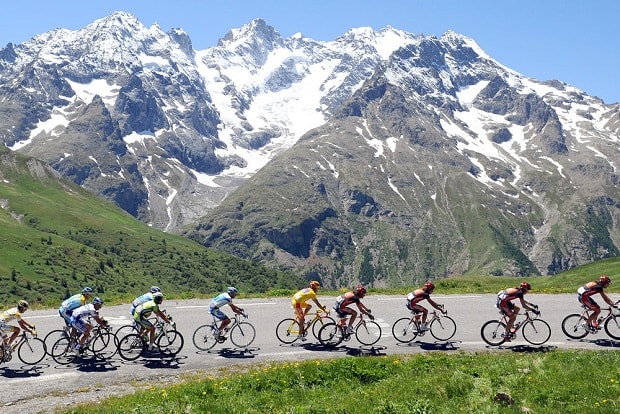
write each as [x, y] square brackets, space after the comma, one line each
[381, 156]
[58, 237]
[443, 162]
[139, 117]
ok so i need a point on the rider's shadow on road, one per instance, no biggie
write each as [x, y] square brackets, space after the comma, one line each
[237, 353]
[606, 342]
[530, 348]
[435, 346]
[163, 362]
[26, 372]
[95, 365]
[360, 351]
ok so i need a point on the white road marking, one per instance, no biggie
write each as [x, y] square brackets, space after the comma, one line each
[434, 296]
[244, 305]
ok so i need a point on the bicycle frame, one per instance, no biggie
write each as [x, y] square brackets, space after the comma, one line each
[318, 315]
[342, 322]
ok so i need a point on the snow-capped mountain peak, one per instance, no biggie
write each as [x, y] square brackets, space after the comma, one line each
[168, 132]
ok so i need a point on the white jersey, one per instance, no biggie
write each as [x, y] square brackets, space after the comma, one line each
[84, 311]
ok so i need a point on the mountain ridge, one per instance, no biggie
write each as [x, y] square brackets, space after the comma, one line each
[437, 122]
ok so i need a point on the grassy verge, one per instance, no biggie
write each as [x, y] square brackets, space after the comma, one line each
[536, 382]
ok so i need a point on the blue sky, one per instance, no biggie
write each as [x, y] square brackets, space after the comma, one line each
[577, 42]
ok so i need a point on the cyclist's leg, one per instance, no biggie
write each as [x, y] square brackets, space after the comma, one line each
[301, 310]
[345, 312]
[220, 316]
[421, 313]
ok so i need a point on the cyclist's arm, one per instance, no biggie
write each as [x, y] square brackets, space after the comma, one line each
[236, 308]
[25, 325]
[100, 320]
[527, 305]
[362, 307]
[318, 304]
[162, 316]
[435, 304]
[607, 299]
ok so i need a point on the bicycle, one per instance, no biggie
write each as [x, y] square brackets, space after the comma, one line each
[534, 330]
[101, 343]
[241, 334]
[30, 349]
[367, 332]
[287, 330]
[441, 327]
[575, 325]
[168, 340]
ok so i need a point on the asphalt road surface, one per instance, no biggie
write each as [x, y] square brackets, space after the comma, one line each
[23, 382]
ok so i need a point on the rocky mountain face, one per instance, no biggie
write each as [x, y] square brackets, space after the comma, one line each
[379, 157]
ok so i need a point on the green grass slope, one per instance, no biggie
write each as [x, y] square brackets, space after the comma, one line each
[56, 238]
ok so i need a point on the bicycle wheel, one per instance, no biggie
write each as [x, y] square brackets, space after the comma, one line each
[368, 333]
[287, 330]
[612, 327]
[62, 351]
[170, 342]
[125, 330]
[319, 323]
[104, 345]
[204, 337]
[573, 326]
[242, 334]
[32, 351]
[331, 334]
[131, 347]
[443, 328]
[404, 330]
[52, 337]
[536, 331]
[492, 331]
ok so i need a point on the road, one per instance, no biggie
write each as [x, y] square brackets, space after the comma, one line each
[28, 383]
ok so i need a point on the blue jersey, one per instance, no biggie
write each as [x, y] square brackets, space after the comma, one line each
[74, 302]
[220, 300]
[142, 299]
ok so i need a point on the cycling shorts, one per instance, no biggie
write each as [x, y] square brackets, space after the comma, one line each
[343, 311]
[415, 308]
[80, 325]
[588, 301]
[300, 306]
[4, 326]
[218, 314]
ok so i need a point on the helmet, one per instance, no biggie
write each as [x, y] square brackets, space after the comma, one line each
[232, 290]
[360, 290]
[155, 289]
[314, 285]
[525, 285]
[429, 286]
[158, 297]
[22, 304]
[97, 301]
[87, 291]
[604, 280]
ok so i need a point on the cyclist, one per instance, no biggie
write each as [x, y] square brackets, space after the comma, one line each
[143, 299]
[346, 299]
[417, 296]
[584, 295]
[302, 307]
[505, 305]
[220, 300]
[73, 302]
[142, 313]
[10, 314]
[80, 326]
